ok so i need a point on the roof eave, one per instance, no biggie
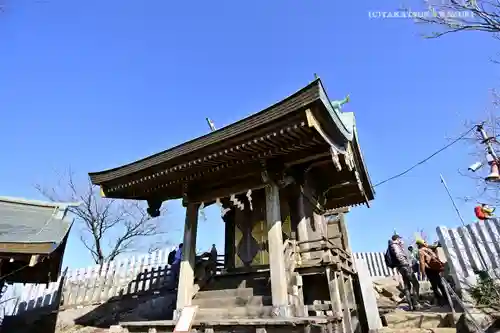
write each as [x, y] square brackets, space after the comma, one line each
[333, 122]
[367, 183]
[39, 203]
[96, 177]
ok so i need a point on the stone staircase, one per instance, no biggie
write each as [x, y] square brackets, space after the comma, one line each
[418, 322]
[233, 301]
[235, 296]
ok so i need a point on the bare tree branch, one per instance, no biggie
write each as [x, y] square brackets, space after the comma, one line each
[109, 227]
[487, 192]
[462, 15]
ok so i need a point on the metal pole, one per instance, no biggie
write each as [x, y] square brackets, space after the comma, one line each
[451, 198]
[487, 141]
[481, 258]
[463, 306]
[449, 299]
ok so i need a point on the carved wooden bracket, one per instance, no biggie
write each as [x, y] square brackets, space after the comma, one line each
[336, 159]
[285, 180]
[185, 196]
[276, 176]
[154, 207]
[349, 158]
[266, 179]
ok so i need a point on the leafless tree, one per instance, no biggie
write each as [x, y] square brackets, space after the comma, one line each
[108, 228]
[462, 15]
[480, 16]
[487, 192]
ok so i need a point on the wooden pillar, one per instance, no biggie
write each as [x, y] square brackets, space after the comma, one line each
[316, 226]
[303, 210]
[333, 287]
[229, 244]
[302, 226]
[345, 234]
[276, 257]
[186, 274]
[319, 225]
[343, 283]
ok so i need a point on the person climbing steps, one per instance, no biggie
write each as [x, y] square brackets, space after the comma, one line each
[396, 257]
[432, 267]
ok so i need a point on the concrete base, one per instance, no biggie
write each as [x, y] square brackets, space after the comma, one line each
[282, 311]
[368, 295]
[177, 314]
[249, 325]
[116, 329]
[302, 311]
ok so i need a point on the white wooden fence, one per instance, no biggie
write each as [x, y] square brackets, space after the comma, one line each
[472, 247]
[92, 285]
[376, 264]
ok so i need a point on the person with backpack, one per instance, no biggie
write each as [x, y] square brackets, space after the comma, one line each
[432, 267]
[396, 257]
[174, 260]
[171, 255]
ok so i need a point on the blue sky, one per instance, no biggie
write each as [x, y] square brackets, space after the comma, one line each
[95, 84]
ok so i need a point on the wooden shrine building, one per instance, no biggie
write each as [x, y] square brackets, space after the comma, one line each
[33, 237]
[274, 175]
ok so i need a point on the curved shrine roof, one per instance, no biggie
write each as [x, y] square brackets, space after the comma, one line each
[307, 95]
[339, 128]
[29, 221]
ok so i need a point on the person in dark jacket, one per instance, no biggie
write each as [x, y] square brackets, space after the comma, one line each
[403, 266]
[213, 259]
[176, 265]
[213, 253]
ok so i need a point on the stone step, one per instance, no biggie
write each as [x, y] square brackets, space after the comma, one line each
[232, 301]
[259, 280]
[424, 320]
[240, 312]
[417, 330]
[238, 292]
[273, 325]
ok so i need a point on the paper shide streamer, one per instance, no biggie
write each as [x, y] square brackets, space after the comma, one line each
[249, 197]
[223, 211]
[236, 202]
[202, 211]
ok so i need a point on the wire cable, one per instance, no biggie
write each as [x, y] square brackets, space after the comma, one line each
[427, 158]
[14, 271]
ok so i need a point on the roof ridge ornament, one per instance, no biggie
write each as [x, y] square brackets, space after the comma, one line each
[337, 105]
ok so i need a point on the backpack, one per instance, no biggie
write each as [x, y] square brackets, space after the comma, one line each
[434, 262]
[171, 257]
[390, 261]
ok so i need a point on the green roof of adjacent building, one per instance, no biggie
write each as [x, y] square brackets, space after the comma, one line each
[30, 221]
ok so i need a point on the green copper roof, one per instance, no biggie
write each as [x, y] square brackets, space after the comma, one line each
[29, 221]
